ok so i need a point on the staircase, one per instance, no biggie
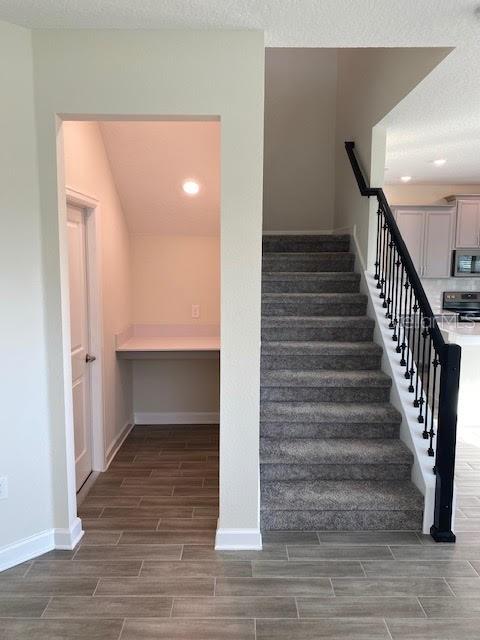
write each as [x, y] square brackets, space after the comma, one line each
[330, 454]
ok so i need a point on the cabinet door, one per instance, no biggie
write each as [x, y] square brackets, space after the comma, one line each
[468, 223]
[438, 243]
[411, 225]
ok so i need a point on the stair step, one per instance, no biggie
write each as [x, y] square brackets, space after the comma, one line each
[326, 412]
[325, 386]
[313, 304]
[317, 243]
[298, 282]
[354, 328]
[307, 356]
[334, 459]
[341, 505]
[287, 430]
[319, 261]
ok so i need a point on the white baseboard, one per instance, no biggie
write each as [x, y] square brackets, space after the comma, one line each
[232, 539]
[178, 417]
[117, 443]
[26, 549]
[68, 538]
[40, 543]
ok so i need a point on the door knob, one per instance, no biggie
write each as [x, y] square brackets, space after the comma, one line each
[89, 358]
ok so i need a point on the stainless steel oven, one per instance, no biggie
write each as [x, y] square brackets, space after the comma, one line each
[466, 263]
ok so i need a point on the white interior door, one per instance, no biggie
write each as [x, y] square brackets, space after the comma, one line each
[79, 330]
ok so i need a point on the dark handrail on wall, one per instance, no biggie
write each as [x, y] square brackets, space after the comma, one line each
[432, 366]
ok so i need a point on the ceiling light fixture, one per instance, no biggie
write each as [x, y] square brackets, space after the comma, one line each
[406, 178]
[440, 162]
[191, 187]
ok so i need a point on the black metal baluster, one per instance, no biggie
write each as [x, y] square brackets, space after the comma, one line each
[401, 317]
[377, 256]
[435, 364]
[419, 393]
[415, 364]
[406, 323]
[385, 270]
[390, 280]
[426, 386]
[395, 303]
[383, 282]
[415, 329]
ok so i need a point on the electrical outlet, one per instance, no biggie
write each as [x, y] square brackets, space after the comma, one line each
[3, 488]
[195, 311]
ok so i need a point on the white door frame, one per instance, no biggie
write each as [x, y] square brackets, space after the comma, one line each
[91, 207]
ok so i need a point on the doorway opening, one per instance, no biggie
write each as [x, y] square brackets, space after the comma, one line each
[142, 202]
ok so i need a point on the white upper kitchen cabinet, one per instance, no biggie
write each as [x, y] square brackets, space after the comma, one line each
[468, 221]
[428, 233]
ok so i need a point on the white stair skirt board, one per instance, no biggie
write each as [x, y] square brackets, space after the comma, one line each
[422, 471]
[238, 539]
[177, 418]
[40, 543]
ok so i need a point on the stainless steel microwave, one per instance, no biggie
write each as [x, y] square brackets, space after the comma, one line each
[466, 263]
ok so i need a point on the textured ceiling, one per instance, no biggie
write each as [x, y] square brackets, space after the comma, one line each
[440, 118]
[149, 162]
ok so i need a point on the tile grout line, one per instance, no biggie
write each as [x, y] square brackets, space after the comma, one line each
[386, 627]
[121, 629]
[46, 607]
[421, 607]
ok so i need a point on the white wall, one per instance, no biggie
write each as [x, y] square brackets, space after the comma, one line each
[167, 73]
[299, 160]
[417, 194]
[24, 420]
[87, 170]
[370, 83]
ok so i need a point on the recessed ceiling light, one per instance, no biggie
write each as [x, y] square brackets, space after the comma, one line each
[440, 162]
[191, 187]
[406, 178]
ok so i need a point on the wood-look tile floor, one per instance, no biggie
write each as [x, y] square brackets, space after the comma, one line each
[146, 568]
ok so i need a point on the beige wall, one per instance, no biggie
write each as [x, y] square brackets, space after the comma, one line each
[24, 420]
[87, 170]
[299, 156]
[413, 194]
[166, 73]
[370, 83]
[170, 273]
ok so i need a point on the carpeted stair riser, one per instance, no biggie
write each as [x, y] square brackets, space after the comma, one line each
[297, 520]
[287, 430]
[308, 262]
[310, 283]
[358, 329]
[310, 304]
[305, 243]
[335, 472]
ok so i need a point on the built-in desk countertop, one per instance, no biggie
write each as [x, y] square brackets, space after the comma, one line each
[168, 341]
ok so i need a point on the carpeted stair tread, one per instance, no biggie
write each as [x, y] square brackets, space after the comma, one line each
[313, 328]
[281, 378]
[313, 304]
[308, 261]
[326, 495]
[310, 282]
[334, 451]
[328, 412]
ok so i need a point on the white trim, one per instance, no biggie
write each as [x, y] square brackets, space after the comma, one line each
[422, 471]
[90, 206]
[299, 232]
[68, 538]
[117, 443]
[26, 549]
[40, 543]
[238, 539]
[177, 417]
